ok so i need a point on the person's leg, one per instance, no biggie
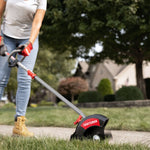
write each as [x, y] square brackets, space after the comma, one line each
[23, 91]
[4, 69]
[24, 81]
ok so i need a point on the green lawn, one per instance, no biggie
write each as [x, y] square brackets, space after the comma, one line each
[12, 143]
[119, 118]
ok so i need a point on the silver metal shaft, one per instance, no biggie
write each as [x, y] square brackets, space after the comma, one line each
[59, 96]
[49, 88]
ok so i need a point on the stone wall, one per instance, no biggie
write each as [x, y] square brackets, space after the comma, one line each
[135, 103]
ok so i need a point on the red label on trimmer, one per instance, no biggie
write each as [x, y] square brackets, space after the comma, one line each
[90, 122]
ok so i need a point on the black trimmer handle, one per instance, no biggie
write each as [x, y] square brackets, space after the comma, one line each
[15, 61]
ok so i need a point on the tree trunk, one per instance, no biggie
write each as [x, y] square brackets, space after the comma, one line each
[72, 98]
[139, 78]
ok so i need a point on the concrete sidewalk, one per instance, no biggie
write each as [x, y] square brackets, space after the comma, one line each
[119, 137]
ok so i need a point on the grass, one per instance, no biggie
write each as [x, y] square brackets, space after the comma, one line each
[135, 119]
[120, 118]
[11, 143]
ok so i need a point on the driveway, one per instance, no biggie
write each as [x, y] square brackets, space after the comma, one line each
[119, 137]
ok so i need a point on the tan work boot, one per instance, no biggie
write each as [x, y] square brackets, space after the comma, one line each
[20, 128]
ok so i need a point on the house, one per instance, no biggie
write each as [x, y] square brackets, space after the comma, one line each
[119, 75]
[81, 70]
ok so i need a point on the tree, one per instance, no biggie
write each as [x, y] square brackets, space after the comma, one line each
[122, 27]
[72, 86]
[128, 38]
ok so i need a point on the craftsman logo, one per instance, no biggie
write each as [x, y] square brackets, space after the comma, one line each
[90, 122]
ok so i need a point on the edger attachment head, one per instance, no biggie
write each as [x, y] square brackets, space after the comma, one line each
[90, 127]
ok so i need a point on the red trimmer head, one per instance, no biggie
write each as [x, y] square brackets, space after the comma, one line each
[91, 126]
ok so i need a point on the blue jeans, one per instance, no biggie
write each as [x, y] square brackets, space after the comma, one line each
[23, 80]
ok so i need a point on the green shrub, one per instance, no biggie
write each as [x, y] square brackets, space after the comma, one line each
[129, 93]
[61, 104]
[109, 98]
[45, 103]
[89, 96]
[104, 87]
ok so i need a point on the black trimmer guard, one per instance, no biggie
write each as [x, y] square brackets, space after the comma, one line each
[90, 126]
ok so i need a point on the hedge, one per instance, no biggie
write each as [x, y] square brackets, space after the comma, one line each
[129, 93]
[109, 98]
[89, 96]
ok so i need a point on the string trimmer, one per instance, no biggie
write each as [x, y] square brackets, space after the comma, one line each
[91, 127]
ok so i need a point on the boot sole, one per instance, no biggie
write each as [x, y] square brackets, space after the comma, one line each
[18, 135]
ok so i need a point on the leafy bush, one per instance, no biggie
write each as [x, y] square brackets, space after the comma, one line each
[33, 105]
[129, 93]
[61, 104]
[104, 87]
[89, 96]
[109, 98]
[45, 103]
[72, 86]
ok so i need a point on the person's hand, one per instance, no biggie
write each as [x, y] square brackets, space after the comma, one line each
[3, 48]
[26, 49]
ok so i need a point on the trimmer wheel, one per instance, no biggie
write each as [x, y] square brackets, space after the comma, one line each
[96, 138]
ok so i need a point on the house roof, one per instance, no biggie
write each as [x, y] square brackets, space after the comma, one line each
[110, 65]
[84, 66]
[113, 68]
